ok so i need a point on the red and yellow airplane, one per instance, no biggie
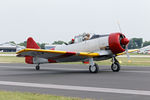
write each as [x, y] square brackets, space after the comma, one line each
[98, 47]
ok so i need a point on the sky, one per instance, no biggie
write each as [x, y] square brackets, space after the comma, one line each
[50, 20]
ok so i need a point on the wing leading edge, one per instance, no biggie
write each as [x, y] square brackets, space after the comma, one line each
[129, 51]
[53, 53]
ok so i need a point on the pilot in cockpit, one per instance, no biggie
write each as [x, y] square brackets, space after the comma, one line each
[86, 37]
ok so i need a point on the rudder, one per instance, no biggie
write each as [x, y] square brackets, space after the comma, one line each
[31, 44]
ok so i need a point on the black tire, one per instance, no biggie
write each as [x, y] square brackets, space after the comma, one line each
[94, 69]
[115, 67]
[37, 67]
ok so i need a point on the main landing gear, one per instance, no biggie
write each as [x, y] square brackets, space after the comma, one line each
[37, 67]
[93, 68]
[115, 67]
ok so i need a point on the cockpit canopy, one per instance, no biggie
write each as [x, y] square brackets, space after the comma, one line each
[97, 36]
[80, 38]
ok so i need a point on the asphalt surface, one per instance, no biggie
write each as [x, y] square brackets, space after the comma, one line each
[131, 83]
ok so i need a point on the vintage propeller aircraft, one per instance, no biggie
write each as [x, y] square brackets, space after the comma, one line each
[96, 48]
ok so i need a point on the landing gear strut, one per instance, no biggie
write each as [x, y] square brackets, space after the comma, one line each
[37, 67]
[115, 67]
[93, 68]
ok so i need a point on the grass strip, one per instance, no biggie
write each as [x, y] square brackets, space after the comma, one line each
[7, 52]
[5, 95]
[11, 59]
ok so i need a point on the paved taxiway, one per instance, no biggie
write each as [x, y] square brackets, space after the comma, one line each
[76, 81]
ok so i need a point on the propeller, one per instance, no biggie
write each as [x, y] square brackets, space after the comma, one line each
[128, 56]
[125, 42]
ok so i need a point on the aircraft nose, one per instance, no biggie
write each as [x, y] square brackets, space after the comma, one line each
[124, 41]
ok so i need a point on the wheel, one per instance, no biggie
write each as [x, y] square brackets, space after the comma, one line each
[115, 67]
[94, 68]
[37, 67]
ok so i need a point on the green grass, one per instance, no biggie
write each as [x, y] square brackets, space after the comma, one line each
[141, 61]
[137, 54]
[5, 95]
[7, 52]
[11, 59]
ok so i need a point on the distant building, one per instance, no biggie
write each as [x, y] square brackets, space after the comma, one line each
[18, 48]
[10, 47]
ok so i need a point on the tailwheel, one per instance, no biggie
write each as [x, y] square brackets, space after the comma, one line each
[115, 67]
[94, 68]
[37, 67]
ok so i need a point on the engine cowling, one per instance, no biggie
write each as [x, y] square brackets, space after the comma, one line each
[117, 42]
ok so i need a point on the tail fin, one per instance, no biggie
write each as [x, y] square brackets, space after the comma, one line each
[31, 44]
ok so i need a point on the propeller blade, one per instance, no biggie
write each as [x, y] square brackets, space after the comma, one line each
[128, 56]
[118, 23]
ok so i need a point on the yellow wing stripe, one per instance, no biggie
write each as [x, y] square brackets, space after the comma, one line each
[88, 54]
[41, 50]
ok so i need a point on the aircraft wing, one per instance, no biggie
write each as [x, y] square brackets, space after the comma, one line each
[54, 54]
[129, 51]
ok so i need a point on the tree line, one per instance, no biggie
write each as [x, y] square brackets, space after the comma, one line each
[136, 43]
[41, 45]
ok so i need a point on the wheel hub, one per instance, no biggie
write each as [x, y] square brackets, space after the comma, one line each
[115, 67]
[93, 68]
